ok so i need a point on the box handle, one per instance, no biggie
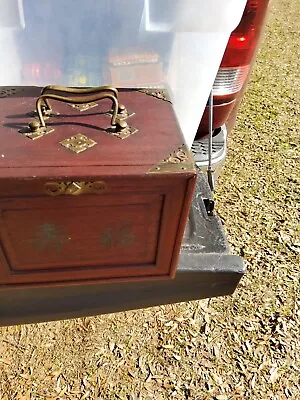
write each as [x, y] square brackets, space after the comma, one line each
[88, 95]
[40, 123]
[90, 90]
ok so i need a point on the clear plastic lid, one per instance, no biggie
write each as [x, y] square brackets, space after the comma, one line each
[125, 43]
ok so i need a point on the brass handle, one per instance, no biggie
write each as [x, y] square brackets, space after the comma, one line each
[74, 188]
[91, 90]
[36, 125]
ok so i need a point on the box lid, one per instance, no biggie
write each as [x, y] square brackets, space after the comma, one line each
[155, 137]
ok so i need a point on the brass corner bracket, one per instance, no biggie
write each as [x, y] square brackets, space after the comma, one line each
[6, 91]
[160, 94]
[179, 161]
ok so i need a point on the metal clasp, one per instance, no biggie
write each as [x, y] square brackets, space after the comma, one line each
[74, 188]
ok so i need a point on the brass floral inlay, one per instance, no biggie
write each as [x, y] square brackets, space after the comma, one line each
[48, 237]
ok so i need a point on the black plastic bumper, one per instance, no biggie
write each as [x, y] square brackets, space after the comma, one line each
[206, 269]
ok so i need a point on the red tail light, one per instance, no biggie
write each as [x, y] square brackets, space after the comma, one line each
[236, 63]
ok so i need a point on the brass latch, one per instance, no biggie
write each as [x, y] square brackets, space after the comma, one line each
[74, 188]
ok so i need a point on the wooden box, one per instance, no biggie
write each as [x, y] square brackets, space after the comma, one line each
[135, 68]
[83, 200]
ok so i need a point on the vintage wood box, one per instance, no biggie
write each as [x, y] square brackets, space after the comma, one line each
[102, 192]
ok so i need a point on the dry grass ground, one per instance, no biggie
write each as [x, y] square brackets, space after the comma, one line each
[239, 347]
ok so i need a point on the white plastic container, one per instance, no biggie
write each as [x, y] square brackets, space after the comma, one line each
[176, 44]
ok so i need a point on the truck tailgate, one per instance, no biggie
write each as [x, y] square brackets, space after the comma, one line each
[207, 269]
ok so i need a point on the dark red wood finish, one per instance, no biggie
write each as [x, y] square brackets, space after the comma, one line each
[133, 230]
[158, 134]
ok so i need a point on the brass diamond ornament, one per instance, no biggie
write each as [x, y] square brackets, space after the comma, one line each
[78, 143]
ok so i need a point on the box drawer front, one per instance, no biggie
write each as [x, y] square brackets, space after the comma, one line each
[86, 238]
